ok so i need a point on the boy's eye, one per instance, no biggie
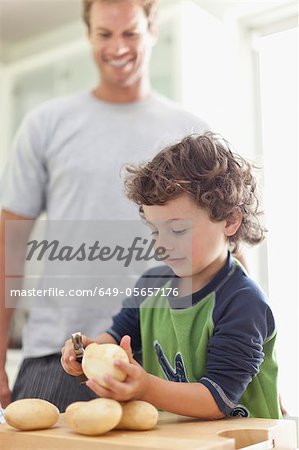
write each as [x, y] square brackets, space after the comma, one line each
[179, 231]
[154, 233]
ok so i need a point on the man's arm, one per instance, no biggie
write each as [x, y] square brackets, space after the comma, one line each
[17, 252]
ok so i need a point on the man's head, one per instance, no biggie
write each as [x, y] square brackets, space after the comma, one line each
[122, 34]
[201, 171]
[149, 7]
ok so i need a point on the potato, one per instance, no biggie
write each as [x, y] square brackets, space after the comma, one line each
[70, 410]
[95, 417]
[31, 414]
[98, 360]
[138, 415]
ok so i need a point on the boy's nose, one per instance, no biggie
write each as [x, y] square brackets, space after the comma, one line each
[164, 242]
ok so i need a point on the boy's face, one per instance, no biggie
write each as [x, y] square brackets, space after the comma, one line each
[121, 41]
[196, 246]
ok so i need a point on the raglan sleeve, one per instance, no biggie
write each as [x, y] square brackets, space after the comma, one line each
[235, 350]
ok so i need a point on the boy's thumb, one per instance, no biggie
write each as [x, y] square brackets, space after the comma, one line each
[125, 343]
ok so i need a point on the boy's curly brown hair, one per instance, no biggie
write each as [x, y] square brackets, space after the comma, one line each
[204, 167]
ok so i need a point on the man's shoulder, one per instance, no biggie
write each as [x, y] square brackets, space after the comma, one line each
[58, 106]
[177, 113]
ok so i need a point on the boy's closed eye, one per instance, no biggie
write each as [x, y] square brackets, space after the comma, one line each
[176, 232]
[179, 232]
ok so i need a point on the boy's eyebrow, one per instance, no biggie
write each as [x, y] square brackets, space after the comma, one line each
[167, 221]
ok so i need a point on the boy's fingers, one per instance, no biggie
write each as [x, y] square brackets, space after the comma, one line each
[117, 389]
[71, 368]
[68, 360]
[128, 368]
[98, 389]
[125, 343]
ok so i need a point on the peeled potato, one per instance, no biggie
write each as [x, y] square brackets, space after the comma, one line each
[138, 415]
[95, 417]
[31, 414]
[98, 360]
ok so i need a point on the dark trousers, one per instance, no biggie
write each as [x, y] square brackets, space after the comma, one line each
[45, 378]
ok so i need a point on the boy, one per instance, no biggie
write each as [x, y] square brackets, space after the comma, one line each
[217, 337]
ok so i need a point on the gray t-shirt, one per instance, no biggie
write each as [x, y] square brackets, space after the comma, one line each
[66, 161]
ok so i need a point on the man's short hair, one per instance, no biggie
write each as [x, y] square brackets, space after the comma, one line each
[149, 6]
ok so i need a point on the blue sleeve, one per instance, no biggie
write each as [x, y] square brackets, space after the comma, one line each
[127, 322]
[242, 323]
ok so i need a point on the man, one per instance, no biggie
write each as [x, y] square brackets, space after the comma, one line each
[66, 161]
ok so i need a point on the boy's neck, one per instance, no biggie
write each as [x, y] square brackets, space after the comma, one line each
[194, 283]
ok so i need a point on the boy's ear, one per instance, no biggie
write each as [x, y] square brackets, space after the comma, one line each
[233, 222]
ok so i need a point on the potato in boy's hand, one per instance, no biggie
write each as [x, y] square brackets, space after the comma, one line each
[138, 415]
[31, 414]
[94, 417]
[98, 360]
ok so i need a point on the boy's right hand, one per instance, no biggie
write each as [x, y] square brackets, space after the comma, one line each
[68, 356]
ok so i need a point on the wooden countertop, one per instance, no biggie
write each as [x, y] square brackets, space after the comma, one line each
[172, 432]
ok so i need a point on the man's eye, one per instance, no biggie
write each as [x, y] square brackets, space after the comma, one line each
[103, 35]
[179, 231]
[130, 34]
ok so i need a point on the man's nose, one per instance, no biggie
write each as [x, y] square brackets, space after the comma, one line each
[119, 46]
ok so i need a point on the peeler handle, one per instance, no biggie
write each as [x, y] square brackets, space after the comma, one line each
[78, 347]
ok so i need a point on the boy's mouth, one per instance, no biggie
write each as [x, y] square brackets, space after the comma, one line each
[173, 260]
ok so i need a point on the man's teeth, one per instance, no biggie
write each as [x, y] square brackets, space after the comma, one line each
[119, 63]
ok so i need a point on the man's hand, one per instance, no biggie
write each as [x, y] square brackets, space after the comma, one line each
[5, 394]
[135, 384]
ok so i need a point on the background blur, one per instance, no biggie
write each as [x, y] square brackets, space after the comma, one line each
[233, 63]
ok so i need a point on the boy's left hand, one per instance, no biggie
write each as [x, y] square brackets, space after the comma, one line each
[132, 388]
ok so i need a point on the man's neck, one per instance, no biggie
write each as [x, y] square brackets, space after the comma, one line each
[129, 94]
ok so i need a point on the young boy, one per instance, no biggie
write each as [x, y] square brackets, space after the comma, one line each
[209, 352]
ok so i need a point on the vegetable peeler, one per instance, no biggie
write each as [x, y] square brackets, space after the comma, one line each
[79, 350]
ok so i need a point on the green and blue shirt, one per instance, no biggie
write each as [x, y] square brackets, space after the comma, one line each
[223, 337]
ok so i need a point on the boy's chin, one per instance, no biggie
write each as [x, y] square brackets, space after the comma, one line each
[181, 272]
